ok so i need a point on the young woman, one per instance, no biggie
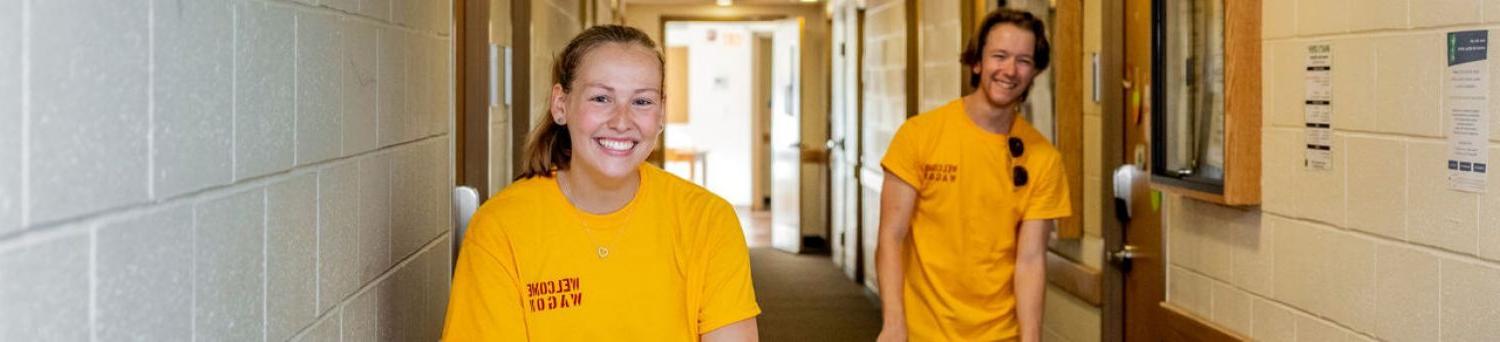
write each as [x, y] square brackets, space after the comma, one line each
[592, 244]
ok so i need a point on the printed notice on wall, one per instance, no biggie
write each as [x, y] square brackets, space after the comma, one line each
[1317, 110]
[1466, 104]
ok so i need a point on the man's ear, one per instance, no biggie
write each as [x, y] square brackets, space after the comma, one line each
[556, 107]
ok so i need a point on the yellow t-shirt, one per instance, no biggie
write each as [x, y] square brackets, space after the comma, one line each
[677, 267]
[960, 257]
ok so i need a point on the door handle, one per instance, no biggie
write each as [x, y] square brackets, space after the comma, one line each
[1122, 258]
[834, 144]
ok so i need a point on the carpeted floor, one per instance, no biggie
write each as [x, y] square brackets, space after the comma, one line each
[806, 298]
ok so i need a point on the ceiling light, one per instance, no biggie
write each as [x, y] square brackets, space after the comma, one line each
[724, 2]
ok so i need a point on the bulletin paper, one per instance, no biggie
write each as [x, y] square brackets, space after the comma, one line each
[1467, 107]
[1317, 110]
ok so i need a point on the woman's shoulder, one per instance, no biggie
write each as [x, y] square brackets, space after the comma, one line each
[524, 190]
[683, 194]
[515, 201]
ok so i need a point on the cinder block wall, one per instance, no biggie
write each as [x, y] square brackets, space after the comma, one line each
[239, 170]
[884, 88]
[1378, 247]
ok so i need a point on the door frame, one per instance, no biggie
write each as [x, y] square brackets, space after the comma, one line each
[1135, 301]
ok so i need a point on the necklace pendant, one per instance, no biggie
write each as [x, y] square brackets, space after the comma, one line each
[603, 252]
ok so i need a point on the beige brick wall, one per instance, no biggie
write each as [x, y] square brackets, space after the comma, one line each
[241, 170]
[1377, 248]
[941, 39]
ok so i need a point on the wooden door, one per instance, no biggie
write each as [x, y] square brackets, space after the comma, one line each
[1144, 280]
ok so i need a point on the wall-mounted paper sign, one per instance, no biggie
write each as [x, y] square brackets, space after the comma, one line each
[1466, 103]
[1317, 108]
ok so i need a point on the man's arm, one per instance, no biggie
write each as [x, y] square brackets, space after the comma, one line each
[1031, 276]
[898, 201]
[742, 331]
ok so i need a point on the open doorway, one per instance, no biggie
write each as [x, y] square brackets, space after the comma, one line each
[733, 119]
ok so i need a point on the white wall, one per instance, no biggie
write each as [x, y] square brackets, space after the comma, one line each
[719, 82]
[224, 170]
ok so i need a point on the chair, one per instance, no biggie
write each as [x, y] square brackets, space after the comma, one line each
[465, 202]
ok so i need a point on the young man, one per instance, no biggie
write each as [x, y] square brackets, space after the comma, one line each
[967, 205]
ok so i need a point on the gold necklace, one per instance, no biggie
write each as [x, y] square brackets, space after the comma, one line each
[601, 250]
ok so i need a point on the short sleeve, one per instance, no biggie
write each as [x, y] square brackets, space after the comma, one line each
[728, 295]
[901, 157]
[1049, 200]
[485, 303]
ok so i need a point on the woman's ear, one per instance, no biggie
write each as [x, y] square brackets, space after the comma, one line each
[557, 108]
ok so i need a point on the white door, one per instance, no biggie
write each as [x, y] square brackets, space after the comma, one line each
[843, 142]
[786, 142]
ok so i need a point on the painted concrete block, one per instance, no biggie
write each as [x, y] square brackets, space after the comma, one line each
[1378, 14]
[361, 317]
[291, 255]
[1354, 83]
[45, 290]
[1314, 329]
[374, 242]
[436, 286]
[441, 20]
[1253, 262]
[1406, 307]
[1470, 301]
[1438, 216]
[83, 135]
[377, 9]
[1346, 294]
[394, 119]
[1310, 20]
[439, 85]
[1489, 220]
[1321, 194]
[1231, 307]
[145, 277]
[338, 234]
[319, 49]
[359, 86]
[1407, 83]
[264, 128]
[346, 6]
[1298, 266]
[229, 267]
[408, 188]
[1275, 20]
[10, 114]
[401, 316]
[1445, 13]
[1189, 290]
[325, 330]
[193, 95]
[1271, 321]
[1377, 199]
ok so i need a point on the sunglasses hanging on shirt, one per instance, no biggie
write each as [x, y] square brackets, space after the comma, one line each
[1018, 174]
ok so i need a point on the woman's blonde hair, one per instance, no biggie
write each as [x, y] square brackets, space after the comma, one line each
[549, 147]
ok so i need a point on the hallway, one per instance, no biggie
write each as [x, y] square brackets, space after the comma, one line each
[804, 297]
